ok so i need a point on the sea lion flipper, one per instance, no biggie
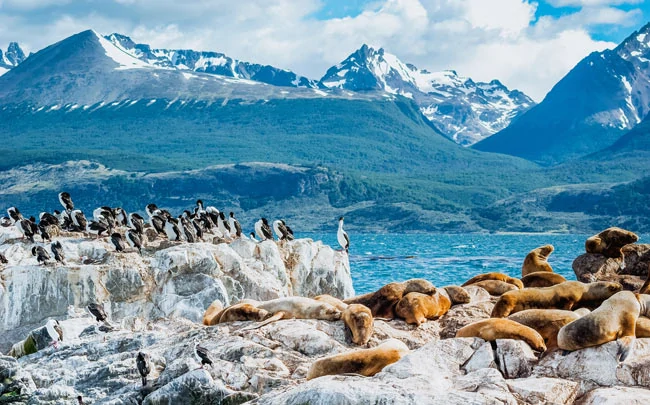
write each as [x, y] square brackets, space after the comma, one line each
[276, 317]
[625, 345]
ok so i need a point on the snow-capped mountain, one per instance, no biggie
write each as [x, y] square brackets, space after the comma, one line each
[601, 98]
[11, 58]
[463, 110]
[86, 69]
[210, 62]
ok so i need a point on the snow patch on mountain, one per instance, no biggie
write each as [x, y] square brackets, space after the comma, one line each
[463, 110]
[124, 59]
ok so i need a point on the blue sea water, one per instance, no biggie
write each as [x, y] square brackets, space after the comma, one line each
[445, 259]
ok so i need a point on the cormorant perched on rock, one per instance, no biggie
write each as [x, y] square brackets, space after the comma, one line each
[134, 240]
[14, 214]
[3, 259]
[41, 254]
[66, 201]
[57, 251]
[235, 227]
[79, 221]
[263, 230]
[118, 242]
[342, 236]
[136, 222]
[201, 354]
[98, 311]
[144, 367]
[25, 227]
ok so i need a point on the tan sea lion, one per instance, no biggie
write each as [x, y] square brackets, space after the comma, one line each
[493, 329]
[382, 302]
[614, 319]
[358, 323]
[296, 308]
[610, 241]
[568, 295]
[542, 279]
[366, 362]
[457, 295]
[416, 308]
[537, 260]
[495, 276]
[213, 313]
[645, 288]
[495, 287]
[547, 322]
[243, 311]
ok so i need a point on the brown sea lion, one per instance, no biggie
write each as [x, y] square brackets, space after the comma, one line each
[416, 308]
[645, 288]
[495, 287]
[213, 313]
[610, 241]
[358, 323]
[568, 295]
[542, 279]
[457, 295]
[366, 362]
[537, 260]
[495, 276]
[493, 329]
[547, 322]
[382, 302]
[614, 319]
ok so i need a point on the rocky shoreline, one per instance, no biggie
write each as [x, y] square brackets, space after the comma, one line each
[156, 302]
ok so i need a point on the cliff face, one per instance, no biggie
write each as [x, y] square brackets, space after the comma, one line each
[168, 281]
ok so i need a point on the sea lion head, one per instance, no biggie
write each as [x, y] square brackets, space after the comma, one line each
[358, 323]
[620, 237]
[601, 290]
[546, 250]
[328, 312]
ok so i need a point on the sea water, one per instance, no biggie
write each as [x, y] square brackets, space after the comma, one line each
[449, 259]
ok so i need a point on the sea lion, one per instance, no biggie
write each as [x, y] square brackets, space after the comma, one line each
[614, 319]
[382, 302]
[457, 295]
[495, 287]
[366, 362]
[566, 295]
[296, 308]
[610, 241]
[493, 329]
[416, 308]
[645, 288]
[537, 260]
[213, 313]
[358, 323]
[243, 311]
[542, 279]
[547, 322]
[495, 276]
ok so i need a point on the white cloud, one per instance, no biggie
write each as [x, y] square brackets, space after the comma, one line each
[478, 38]
[583, 3]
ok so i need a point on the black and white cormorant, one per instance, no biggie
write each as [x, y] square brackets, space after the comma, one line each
[201, 354]
[98, 311]
[57, 251]
[134, 240]
[41, 254]
[66, 201]
[342, 236]
[235, 227]
[118, 242]
[263, 230]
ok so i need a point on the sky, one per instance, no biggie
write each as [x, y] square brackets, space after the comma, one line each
[527, 45]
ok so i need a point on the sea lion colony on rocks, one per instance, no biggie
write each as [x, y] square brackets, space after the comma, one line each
[565, 316]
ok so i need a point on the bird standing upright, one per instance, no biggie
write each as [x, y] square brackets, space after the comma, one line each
[342, 236]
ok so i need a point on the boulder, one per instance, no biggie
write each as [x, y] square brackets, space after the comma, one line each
[631, 270]
[543, 390]
[616, 396]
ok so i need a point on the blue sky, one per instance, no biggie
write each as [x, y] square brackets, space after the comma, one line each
[527, 45]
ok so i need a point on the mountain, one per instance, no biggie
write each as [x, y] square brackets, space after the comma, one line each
[463, 110]
[599, 100]
[209, 62]
[11, 58]
[86, 69]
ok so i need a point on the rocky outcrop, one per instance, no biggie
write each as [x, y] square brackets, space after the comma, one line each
[168, 281]
[631, 270]
[156, 301]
